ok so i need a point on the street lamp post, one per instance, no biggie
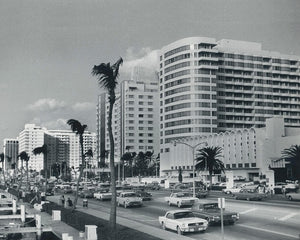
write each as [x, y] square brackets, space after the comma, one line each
[193, 149]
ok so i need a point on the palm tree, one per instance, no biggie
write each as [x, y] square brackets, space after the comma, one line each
[24, 157]
[107, 78]
[2, 159]
[292, 155]
[79, 129]
[208, 158]
[89, 154]
[44, 151]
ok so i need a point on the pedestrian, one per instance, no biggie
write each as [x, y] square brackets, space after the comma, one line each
[70, 203]
[62, 200]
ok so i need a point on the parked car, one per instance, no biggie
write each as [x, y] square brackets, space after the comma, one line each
[50, 192]
[153, 186]
[218, 186]
[234, 189]
[200, 192]
[103, 195]
[279, 187]
[291, 187]
[86, 194]
[145, 196]
[248, 193]
[293, 195]
[182, 221]
[129, 199]
[181, 199]
[104, 186]
[239, 178]
[212, 213]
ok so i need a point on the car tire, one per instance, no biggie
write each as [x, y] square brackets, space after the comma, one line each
[228, 192]
[169, 203]
[125, 205]
[248, 199]
[179, 232]
[118, 204]
[290, 198]
[178, 204]
[163, 226]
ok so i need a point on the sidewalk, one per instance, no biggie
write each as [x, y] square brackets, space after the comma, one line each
[156, 232]
[58, 227]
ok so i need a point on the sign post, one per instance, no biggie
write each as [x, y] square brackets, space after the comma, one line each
[221, 205]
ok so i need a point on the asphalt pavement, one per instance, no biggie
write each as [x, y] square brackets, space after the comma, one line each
[276, 219]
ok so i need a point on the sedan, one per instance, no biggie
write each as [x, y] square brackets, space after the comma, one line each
[212, 213]
[86, 194]
[293, 195]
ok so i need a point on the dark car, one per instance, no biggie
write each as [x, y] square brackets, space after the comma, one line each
[212, 213]
[50, 192]
[153, 186]
[86, 194]
[249, 193]
[144, 195]
[201, 193]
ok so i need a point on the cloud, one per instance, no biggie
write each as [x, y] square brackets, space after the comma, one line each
[46, 104]
[145, 58]
[51, 125]
[58, 112]
[84, 106]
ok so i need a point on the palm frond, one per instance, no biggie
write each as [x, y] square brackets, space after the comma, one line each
[89, 153]
[116, 67]
[76, 126]
[39, 150]
[107, 75]
[24, 156]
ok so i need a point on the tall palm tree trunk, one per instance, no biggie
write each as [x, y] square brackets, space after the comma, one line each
[27, 177]
[46, 171]
[80, 173]
[113, 209]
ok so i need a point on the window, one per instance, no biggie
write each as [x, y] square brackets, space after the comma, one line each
[253, 164]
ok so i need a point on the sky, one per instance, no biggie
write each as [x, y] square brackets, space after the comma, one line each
[48, 48]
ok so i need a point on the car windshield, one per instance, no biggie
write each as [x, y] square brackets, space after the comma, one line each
[183, 195]
[129, 195]
[211, 206]
[183, 215]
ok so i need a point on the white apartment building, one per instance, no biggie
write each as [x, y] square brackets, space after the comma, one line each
[135, 120]
[247, 152]
[11, 152]
[31, 137]
[62, 146]
[209, 86]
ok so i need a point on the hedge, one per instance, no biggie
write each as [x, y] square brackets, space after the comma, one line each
[78, 220]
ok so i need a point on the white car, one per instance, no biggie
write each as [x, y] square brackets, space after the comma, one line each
[232, 190]
[181, 199]
[182, 221]
[128, 199]
[103, 195]
[293, 195]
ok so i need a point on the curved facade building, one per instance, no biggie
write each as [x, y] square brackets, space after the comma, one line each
[209, 86]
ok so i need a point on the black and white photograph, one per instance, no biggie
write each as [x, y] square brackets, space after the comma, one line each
[149, 119]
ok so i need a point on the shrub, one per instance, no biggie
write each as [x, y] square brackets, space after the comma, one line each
[78, 220]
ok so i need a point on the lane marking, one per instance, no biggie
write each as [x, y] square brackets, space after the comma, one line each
[249, 210]
[287, 216]
[269, 231]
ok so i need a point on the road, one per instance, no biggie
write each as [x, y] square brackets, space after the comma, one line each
[276, 220]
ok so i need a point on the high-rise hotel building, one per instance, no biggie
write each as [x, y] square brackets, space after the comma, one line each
[62, 146]
[209, 86]
[135, 120]
[11, 152]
